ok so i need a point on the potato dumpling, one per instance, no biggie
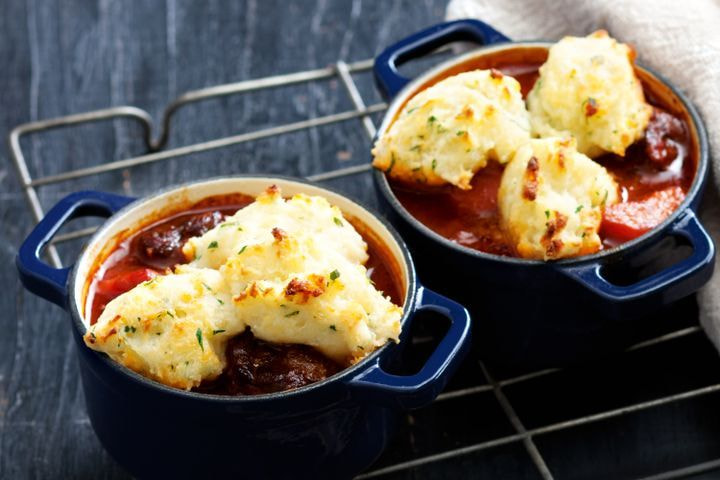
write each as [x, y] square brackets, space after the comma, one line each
[289, 270]
[551, 200]
[588, 89]
[172, 328]
[447, 132]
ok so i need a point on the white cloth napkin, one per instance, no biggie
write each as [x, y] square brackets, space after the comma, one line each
[679, 38]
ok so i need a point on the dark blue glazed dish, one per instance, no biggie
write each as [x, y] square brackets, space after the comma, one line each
[331, 429]
[538, 314]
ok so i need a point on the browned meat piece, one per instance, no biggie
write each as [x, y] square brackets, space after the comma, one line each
[662, 137]
[256, 367]
[201, 223]
[161, 242]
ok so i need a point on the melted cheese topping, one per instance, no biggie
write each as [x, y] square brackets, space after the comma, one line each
[551, 199]
[450, 130]
[588, 89]
[290, 270]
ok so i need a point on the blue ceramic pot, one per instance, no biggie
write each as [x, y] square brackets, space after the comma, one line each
[330, 429]
[537, 314]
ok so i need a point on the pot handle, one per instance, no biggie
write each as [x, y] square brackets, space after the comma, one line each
[416, 390]
[390, 82]
[37, 276]
[670, 284]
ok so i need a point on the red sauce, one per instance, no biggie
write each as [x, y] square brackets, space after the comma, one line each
[253, 366]
[657, 163]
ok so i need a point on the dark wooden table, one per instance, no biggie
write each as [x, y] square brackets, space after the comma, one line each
[60, 58]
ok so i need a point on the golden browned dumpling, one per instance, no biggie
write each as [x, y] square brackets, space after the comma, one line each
[172, 328]
[551, 199]
[445, 133]
[290, 270]
[588, 89]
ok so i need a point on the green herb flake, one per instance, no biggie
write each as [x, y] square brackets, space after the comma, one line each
[169, 314]
[333, 328]
[334, 275]
[92, 334]
[547, 213]
[128, 328]
[228, 224]
[416, 169]
[361, 347]
[220, 301]
[579, 207]
[415, 148]
[583, 235]
[460, 133]
[337, 221]
[293, 313]
[207, 286]
[434, 163]
[220, 330]
[242, 250]
[432, 119]
[392, 164]
[198, 335]
[411, 110]
[158, 333]
[604, 200]
[213, 244]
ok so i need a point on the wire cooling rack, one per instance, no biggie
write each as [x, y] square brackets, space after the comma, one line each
[645, 413]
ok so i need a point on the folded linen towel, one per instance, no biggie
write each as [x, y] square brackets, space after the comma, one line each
[679, 39]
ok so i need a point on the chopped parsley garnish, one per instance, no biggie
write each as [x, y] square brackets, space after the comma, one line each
[128, 328]
[92, 334]
[579, 207]
[337, 221]
[198, 335]
[460, 133]
[220, 301]
[432, 119]
[169, 314]
[242, 249]
[333, 328]
[228, 224]
[415, 148]
[220, 330]
[411, 110]
[392, 163]
[604, 198]
[213, 244]
[334, 275]
[293, 313]
[547, 213]
[434, 163]
[207, 286]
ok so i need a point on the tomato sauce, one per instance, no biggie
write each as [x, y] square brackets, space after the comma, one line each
[656, 167]
[253, 366]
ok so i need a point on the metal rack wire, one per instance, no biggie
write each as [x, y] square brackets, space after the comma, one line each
[156, 152]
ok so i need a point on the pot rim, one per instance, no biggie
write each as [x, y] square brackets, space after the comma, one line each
[411, 288]
[411, 88]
